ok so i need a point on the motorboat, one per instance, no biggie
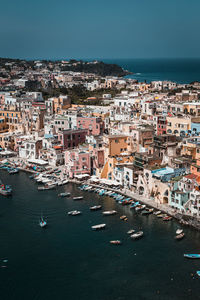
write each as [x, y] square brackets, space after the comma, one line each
[123, 217]
[96, 207]
[78, 198]
[64, 194]
[194, 256]
[74, 213]
[42, 223]
[179, 231]
[109, 212]
[180, 236]
[131, 231]
[116, 242]
[198, 273]
[98, 227]
[137, 235]
[13, 171]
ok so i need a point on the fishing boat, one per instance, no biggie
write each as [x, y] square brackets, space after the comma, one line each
[64, 194]
[180, 236]
[179, 231]
[194, 256]
[137, 235]
[96, 207]
[42, 223]
[116, 242]
[78, 198]
[74, 213]
[198, 273]
[98, 227]
[109, 212]
[131, 231]
[167, 218]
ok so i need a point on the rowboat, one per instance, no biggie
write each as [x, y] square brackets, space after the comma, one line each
[96, 207]
[180, 236]
[140, 207]
[109, 212]
[137, 235]
[179, 231]
[116, 242]
[192, 256]
[147, 211]
[98, 227]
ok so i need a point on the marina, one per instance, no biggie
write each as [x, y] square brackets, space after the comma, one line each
[68, 233]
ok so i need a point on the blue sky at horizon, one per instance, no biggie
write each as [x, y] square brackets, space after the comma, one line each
[104, 29]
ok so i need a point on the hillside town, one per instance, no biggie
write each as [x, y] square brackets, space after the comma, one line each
[142, 137]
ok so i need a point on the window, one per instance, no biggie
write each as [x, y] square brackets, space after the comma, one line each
[116, 141]
[63, 122]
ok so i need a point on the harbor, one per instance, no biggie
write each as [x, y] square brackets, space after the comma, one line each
[156, 260]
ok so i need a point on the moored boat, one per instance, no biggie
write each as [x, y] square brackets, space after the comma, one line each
[78, 198]
[137, 235]
[96, 207]
[109, 212]
[194, 256]
[98, 227]
[116, 242]
[64, 194]
[180, 236]
[47, 187]
[158, 212]
[5, 190]
[74, 213]
[198, 273]
[123, 217]
[140, 207]
[167, 218]
[179, 231]
[131, 231]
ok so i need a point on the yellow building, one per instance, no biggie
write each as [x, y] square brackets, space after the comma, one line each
[178, 125]
[13, 120]
[192, 108]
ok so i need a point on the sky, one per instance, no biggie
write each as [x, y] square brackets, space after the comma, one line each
[49, 29]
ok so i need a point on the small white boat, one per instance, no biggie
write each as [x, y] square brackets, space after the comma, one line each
[74, 213]
[137, 235]
[96, 207]
[42, 223]
[64, 195]
[98, 227]
[131, 231]
[179, 231]
[78, 198]
[116, 242]
[109, 212]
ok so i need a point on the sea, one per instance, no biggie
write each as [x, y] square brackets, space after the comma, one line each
[180, 70]
[68, 260]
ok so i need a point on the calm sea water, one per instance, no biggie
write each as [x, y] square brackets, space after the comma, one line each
[177, 70]
[68, 260]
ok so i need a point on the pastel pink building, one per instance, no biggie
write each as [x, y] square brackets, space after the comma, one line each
[95, 126]
[77, 162]
[71, 138]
